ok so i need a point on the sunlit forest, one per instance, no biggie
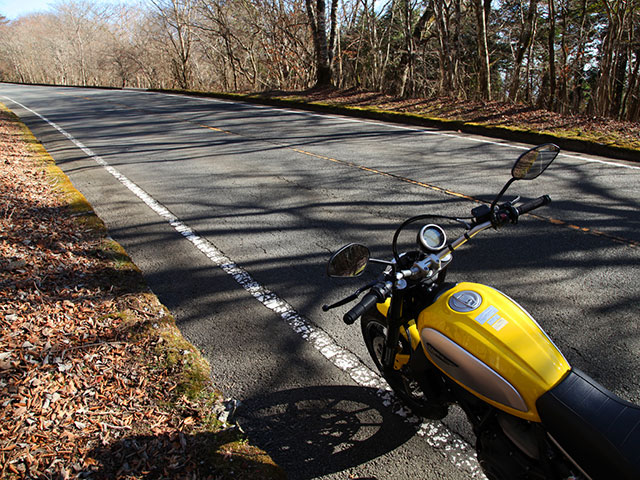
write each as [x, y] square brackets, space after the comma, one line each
[568, 56]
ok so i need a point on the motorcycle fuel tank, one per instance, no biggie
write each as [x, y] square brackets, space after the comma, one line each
[492, 347]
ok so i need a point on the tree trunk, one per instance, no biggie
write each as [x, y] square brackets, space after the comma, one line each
[318, 20]
[613, 48]
[526, 37]
[577, 92]
[404, 66]
[631, 104]
[444, 48]
[551, 101]
[618, 84]
[529, 87]
[563, 88]
[333, 31]
[482, 9]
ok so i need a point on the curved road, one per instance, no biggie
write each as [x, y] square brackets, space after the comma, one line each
[231, 210]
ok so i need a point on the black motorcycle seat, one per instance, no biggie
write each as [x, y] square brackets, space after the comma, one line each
[596, 428]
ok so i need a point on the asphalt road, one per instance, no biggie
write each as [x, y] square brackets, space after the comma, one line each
[276, 191]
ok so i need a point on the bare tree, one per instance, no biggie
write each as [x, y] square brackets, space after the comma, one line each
[256, 43]
[317, 11]
[82, 26]
[482, 9]
[524, 43]
[551, 52]
[613, 58]
[177, 18]
[576, 56]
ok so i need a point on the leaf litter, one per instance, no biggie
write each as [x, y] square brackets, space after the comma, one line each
[95, 379]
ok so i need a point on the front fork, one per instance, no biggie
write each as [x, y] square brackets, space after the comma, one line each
[394, 320]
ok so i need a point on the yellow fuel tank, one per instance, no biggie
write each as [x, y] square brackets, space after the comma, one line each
[492, 347]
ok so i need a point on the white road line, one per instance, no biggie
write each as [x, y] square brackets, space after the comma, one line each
[438, 436]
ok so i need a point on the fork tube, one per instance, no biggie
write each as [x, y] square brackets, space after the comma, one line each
[394, 319]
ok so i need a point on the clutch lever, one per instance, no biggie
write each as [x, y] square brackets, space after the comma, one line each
[350, 298]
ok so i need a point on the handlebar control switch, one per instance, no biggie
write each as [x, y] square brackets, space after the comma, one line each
[377, 294]
[481, 213]
[511, 211]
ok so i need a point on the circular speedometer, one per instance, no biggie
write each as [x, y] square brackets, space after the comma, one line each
[432, 238]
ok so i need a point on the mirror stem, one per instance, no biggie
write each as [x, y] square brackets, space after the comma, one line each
[504, 189]
[383, 262]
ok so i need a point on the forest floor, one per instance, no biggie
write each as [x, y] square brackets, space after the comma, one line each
[96, 381]
[498, 114]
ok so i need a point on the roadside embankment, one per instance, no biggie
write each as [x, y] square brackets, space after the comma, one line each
[96, 380]
[514, 122]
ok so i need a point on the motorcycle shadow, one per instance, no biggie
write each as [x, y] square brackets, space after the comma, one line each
[316, 431]
[174, 455]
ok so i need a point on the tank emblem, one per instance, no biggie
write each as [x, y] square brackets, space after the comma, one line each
[465, 301]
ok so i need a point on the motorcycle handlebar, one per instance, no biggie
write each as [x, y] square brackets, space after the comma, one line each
[379, 292]
[533, 204]
[367, 303]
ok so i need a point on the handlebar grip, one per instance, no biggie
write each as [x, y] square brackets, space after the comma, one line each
[363, 306]
[533, 204]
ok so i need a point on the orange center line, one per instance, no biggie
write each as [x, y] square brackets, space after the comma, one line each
[551, 220]
[217, 129]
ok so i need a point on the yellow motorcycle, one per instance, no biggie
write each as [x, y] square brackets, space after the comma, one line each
[438, 343]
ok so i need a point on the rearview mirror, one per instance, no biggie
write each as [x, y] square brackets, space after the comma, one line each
[530, 165]
[350, 261]
[533, 162]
